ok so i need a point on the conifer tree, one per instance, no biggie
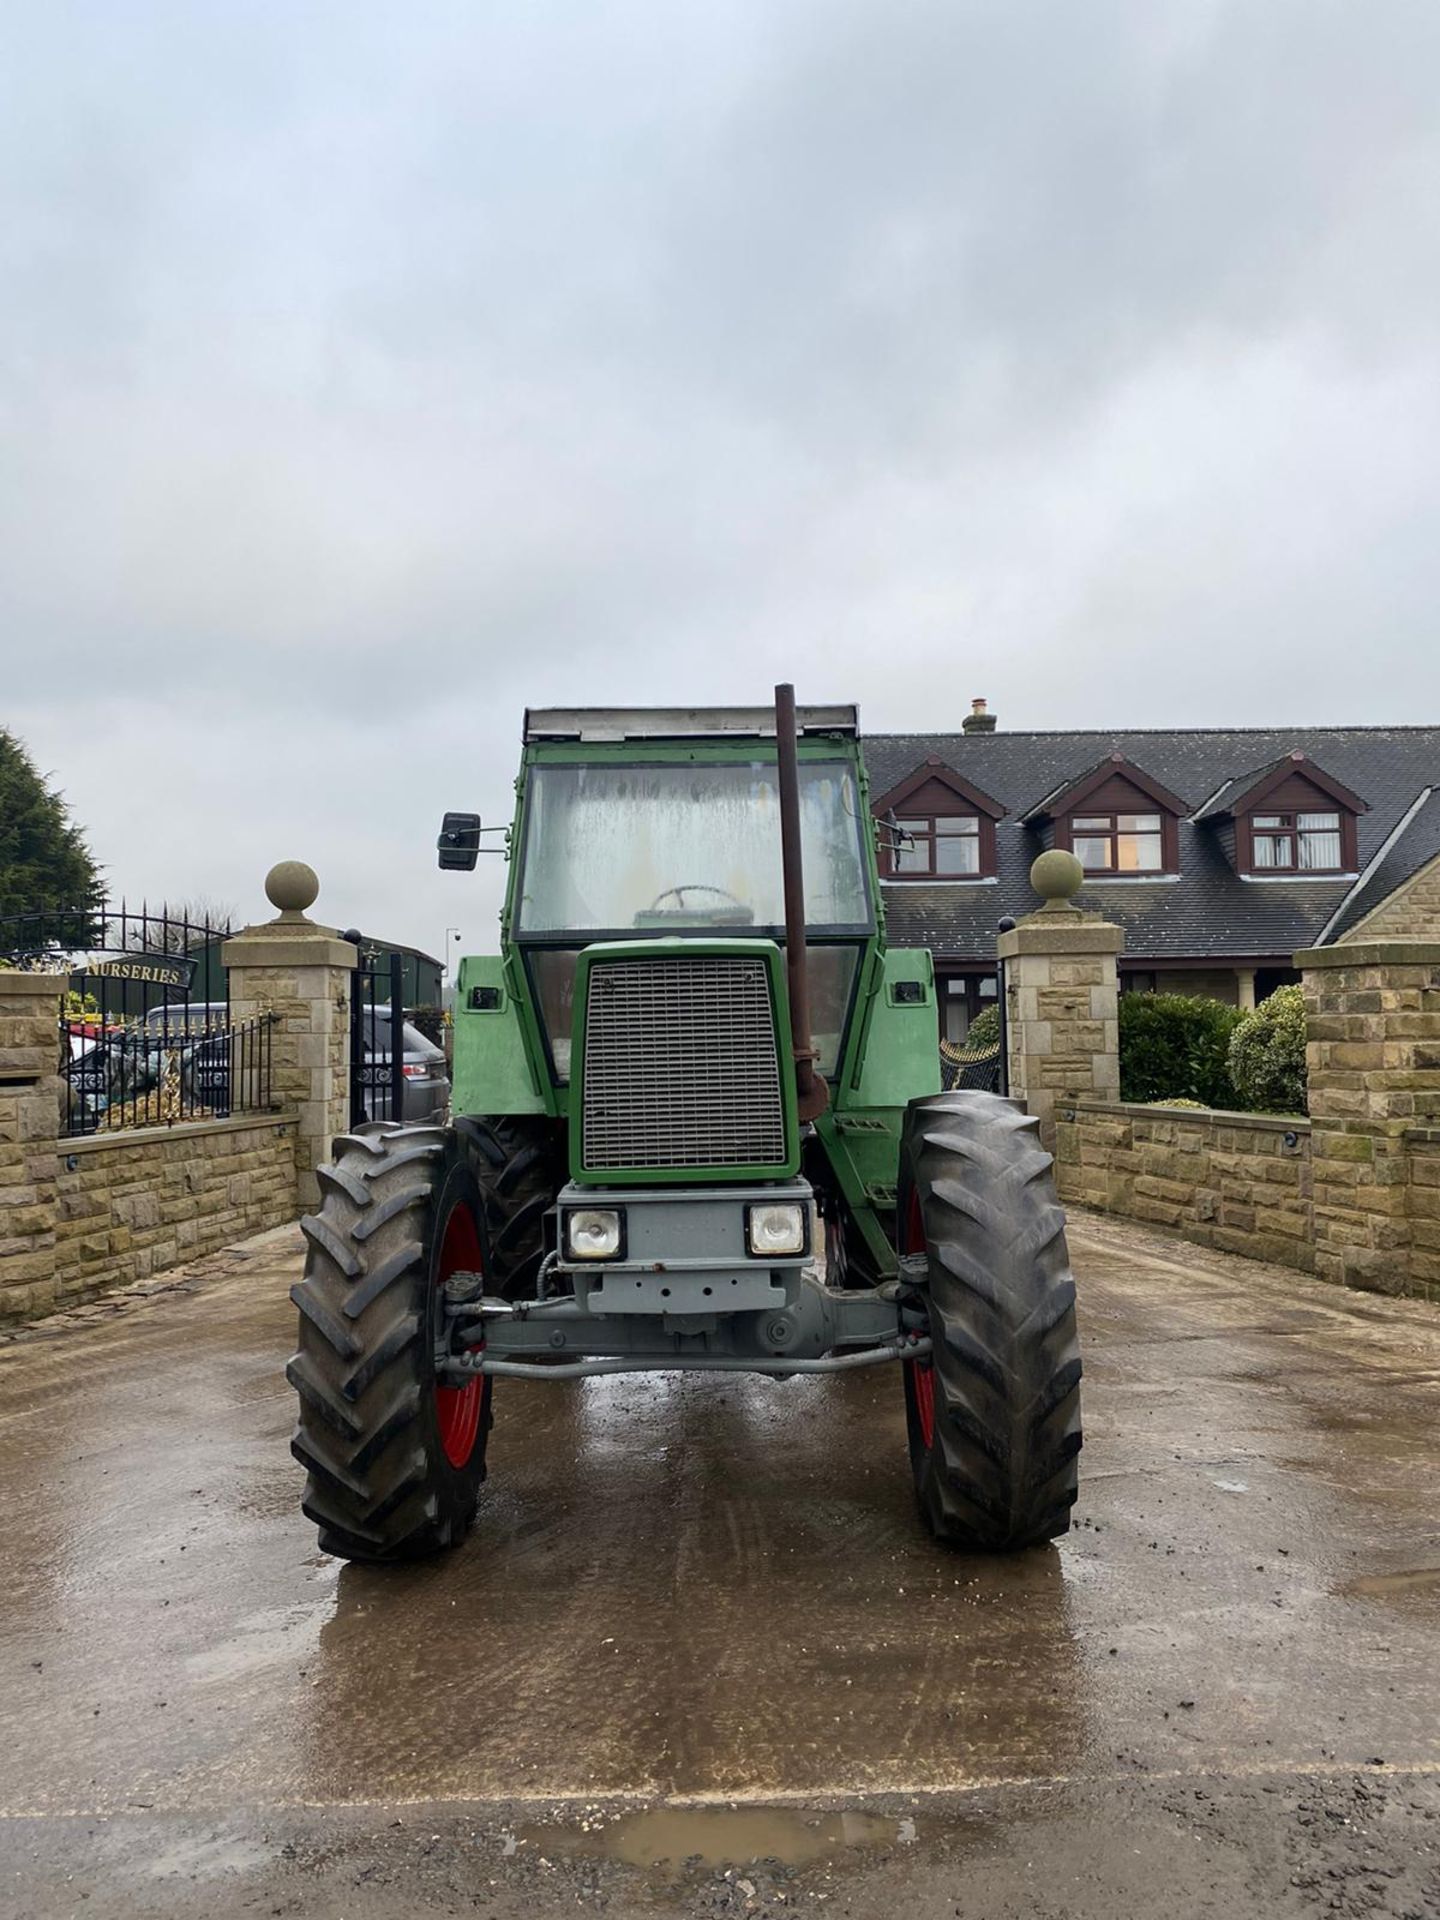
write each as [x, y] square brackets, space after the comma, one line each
[45, 864]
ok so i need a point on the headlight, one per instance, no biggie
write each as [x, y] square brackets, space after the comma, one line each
[775, 1230]
[595, 1233]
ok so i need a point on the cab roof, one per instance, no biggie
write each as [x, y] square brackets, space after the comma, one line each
[679, 723]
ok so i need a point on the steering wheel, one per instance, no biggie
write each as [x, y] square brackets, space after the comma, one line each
[677, 894]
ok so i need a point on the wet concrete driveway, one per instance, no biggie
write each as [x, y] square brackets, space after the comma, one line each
[713, 1594]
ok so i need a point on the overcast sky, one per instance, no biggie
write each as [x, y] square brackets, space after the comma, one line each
[368, 372]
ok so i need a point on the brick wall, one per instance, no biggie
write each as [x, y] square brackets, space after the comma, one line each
[129, 1205]
[1240, 1182]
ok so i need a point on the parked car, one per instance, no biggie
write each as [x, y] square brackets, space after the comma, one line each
[426, 1083]
[102, 1071]
[198, 1031]
[85, 1064]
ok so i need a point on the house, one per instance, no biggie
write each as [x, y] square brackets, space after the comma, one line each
[1219, 851]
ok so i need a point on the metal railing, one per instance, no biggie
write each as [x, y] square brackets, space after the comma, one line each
[131, 1076]
[134, 957]
[146, 1037]
[973, 1069]
[377, 1037]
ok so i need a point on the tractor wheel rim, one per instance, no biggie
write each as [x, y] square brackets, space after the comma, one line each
[922, 1373]
[458, 1409]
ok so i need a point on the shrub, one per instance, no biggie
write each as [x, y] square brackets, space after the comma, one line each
[1175, 1046]
[1267, 1054]
[984, 1030]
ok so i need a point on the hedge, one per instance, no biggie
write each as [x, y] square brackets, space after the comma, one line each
[984, 1029]
[1176, 1046]
[1267, 1054]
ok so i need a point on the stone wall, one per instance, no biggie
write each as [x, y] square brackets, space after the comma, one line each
[1061, 1008]
[1373, 1064]
[131, 1204]
[29, 1121]
[301, 975]
[1412, 912]
[1423, 1144]
[1355, 1195]
[80, 1216]
[1239, 1182]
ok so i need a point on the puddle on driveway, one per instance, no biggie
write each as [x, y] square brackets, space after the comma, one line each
[1387, 1586]
[709, 1837]
[208, 1856]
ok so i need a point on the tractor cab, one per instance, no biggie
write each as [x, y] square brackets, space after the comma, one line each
[639, 825]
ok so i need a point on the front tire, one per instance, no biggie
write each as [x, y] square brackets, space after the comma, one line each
[994, 1416]
[394, 1459]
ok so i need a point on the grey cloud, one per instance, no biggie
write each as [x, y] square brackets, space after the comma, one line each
[367, 373]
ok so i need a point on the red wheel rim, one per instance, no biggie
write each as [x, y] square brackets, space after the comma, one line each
[922, 1374]
[458, 1409]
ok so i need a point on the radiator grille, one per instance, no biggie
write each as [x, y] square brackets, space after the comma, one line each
[680, 1065]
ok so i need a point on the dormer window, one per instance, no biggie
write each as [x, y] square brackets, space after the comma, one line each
[1117, 820]
[1288, 819]
[943, 827]
[1296, 842]
[944, 845]
[1118, 842]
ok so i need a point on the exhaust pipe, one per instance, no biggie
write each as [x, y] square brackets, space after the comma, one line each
[813, 1095]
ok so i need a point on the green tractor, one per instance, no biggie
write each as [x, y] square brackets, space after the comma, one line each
[697, 1125]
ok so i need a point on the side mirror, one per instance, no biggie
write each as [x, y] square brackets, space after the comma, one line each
[459, 841]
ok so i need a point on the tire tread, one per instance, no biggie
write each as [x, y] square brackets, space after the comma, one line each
[1001, 1473]
[377, 1484]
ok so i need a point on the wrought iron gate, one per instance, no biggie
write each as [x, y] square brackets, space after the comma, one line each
[146, 1037]
[377, 1038]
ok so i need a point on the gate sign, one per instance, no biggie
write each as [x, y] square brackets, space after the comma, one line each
[160, 969]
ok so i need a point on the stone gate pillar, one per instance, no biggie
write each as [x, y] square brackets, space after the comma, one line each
[1061, 997]
[1372, 1015]
[29, 1127]
[301, 973]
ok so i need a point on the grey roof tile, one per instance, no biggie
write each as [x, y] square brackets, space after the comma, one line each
[1416, 843]
[1209, 912]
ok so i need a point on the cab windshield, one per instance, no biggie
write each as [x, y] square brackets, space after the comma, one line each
[681, 848]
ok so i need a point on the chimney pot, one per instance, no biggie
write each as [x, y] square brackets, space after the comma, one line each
[979, 719]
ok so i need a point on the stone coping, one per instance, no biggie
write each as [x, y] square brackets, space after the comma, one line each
[32, 985]
[1266, 1122]
[82, 1143]
[288, 946]
[1061, 935]
[1371, 953]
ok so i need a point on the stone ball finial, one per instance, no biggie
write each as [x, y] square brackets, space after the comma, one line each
[1057, 877]
[292, 887]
